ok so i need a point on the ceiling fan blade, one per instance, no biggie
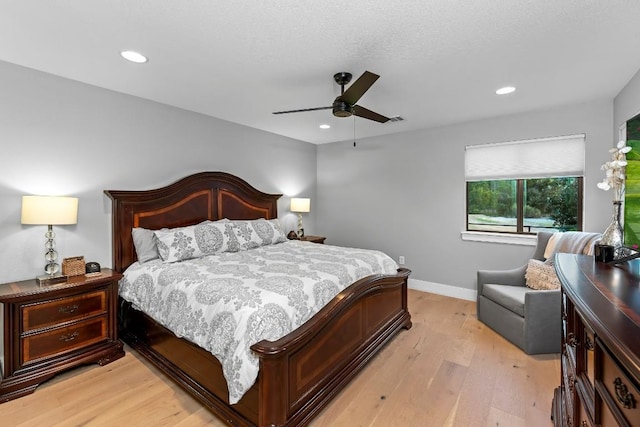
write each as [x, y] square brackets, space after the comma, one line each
[368, 114]
[304, 109]
[359, 87]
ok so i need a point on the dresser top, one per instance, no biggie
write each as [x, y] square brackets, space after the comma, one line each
[14, 290]
[609, 297]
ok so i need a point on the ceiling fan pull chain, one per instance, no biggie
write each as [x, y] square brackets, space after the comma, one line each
[354, 130]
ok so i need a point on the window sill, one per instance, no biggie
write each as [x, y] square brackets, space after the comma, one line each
[509, 239]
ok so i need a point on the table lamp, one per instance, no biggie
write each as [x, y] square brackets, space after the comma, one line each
[49, 211]
[300, 205]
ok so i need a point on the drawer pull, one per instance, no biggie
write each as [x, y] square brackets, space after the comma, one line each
[68, 309]
[69, 337]
[588, 343]
[623, 395]
[572, 383]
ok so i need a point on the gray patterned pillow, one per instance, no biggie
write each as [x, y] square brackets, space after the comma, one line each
[259, 232]
[195, 241]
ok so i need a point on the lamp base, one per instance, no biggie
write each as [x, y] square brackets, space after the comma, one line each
[51, 279]
[300, 229]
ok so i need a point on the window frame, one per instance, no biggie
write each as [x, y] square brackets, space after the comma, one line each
[520, 207]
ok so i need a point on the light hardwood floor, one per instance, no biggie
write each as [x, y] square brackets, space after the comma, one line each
[447, 370]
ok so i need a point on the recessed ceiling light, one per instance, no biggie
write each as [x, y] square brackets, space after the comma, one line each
[325, 126]
[133, 56]
[505, 90]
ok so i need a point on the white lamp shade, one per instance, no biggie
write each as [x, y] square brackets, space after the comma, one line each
[300, 205]
[49, 210]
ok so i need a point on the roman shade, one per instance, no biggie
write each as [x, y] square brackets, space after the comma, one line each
[534, 158]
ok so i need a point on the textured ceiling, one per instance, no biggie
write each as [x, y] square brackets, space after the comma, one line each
[440, 61]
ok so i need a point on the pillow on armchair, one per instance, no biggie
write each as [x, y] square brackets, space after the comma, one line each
[541, 276]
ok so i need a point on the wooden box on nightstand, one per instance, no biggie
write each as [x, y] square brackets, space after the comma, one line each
[48, 329]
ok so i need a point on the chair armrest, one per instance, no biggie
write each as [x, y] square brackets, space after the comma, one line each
[543, 304]
[514, 277]
[543, 324]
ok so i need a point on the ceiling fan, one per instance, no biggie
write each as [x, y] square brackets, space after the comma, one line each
[345, 104]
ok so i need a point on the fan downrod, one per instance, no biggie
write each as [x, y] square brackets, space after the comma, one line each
[340, 107]
[342, 78]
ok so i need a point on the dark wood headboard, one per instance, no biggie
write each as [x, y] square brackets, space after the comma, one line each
[193, 199]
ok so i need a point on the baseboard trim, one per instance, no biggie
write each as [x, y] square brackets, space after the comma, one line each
[440, 289]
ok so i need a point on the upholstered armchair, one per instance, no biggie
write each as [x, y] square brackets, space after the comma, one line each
[529, 318]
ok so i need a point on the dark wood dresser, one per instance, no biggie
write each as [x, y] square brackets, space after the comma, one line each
[51, 328]
[600, 384]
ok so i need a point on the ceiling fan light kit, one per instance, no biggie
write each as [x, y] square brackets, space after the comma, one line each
[345, 105]
[341, 108]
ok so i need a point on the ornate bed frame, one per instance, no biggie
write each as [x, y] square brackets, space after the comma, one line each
[299, 373]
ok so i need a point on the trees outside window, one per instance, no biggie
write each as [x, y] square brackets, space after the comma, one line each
[525, 205]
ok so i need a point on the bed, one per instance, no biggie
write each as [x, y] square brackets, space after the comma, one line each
[299, 373]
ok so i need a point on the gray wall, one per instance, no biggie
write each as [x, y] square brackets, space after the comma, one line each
[627, 104]
[405, 193]
[61, 137]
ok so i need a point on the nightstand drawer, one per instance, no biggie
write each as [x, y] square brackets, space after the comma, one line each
[622, 390]
[62, 340]
[50, 313]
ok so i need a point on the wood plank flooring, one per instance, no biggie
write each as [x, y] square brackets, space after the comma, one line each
[447, 370]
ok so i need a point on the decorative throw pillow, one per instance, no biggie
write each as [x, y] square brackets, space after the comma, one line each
[145, 243]
[541, 276]
[259, 232]
[214, 237]
[195, 241]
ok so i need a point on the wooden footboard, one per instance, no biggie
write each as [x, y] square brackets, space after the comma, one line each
[313, 363]
[300, 373]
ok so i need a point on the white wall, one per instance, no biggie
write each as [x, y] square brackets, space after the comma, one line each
[405, 193]
[627, 104]
[61, 137]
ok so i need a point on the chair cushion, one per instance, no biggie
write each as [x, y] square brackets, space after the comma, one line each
[510, 297]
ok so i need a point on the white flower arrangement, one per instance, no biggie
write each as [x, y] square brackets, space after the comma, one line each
[615, 171]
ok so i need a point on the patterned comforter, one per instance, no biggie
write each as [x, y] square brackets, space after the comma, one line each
[225, 303]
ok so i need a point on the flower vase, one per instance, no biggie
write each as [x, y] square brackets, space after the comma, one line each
[613, 236]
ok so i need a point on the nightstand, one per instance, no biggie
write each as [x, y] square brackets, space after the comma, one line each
[52, 328]
[314, 239]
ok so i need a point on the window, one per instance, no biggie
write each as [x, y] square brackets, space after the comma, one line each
[526, 186]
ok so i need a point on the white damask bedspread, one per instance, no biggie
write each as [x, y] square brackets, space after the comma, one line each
[225, 303]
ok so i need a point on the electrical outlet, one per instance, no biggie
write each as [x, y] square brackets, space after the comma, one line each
[401, 260]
